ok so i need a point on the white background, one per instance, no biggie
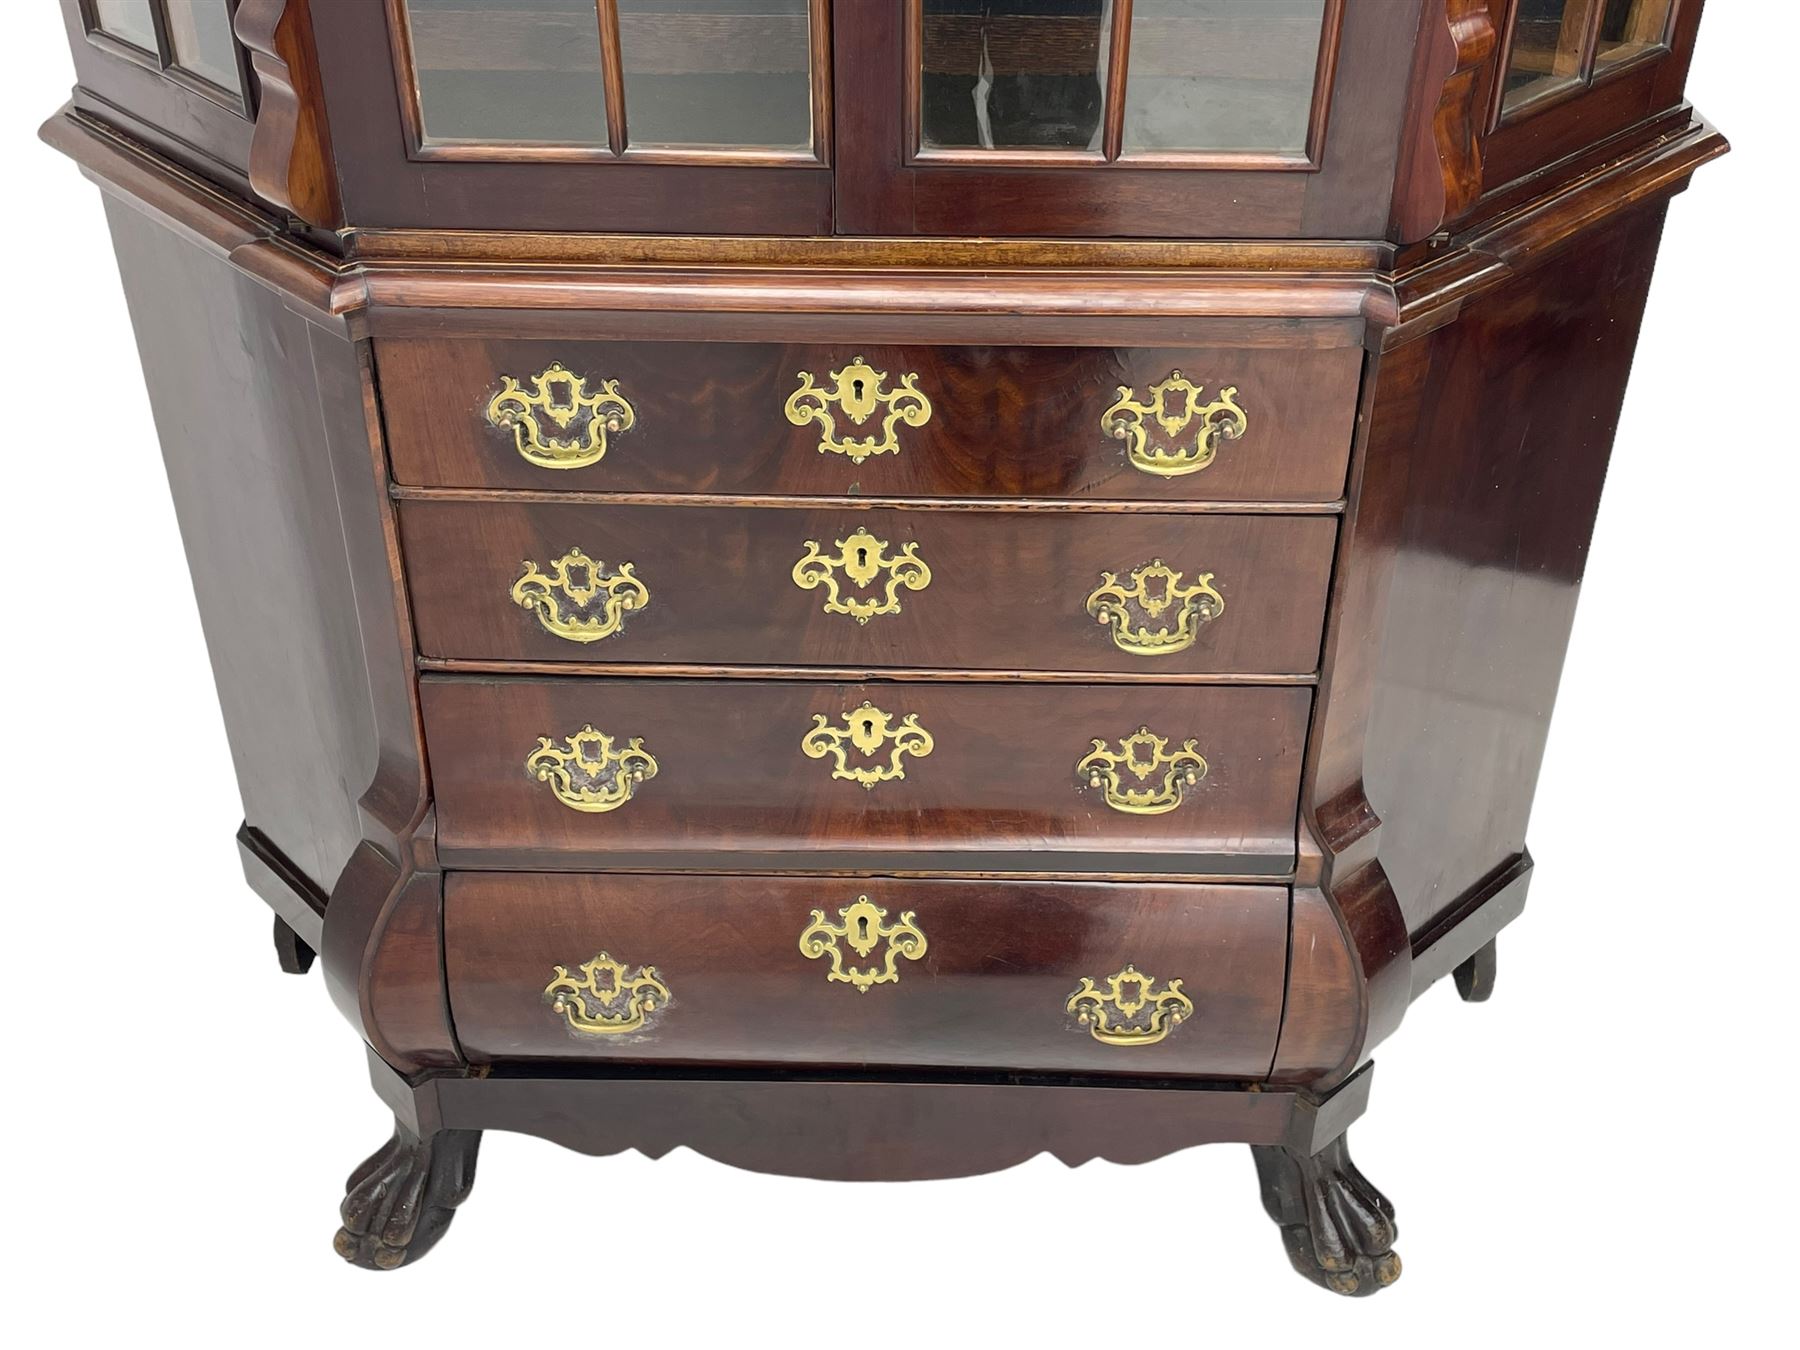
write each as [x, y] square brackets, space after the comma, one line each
[1603, 1151]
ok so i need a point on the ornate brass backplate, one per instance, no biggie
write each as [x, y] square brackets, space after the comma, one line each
[1131, 1010]
[587, 774]
[609, 999]
[1153, 590]
[857, 391]
[559, 398]
[1143, 758]
[861, 558]
[1175, 407]
[866, 730]
[863, 929]
[577, 598]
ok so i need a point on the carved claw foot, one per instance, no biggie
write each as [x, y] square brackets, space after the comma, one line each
[1475, 977]
[291, 950]
[401, 1200]
[1339, 1230]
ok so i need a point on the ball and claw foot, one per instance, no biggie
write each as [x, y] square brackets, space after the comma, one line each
[1475, 977]
[1338, 1229]
[401, 1200]
[291, 950]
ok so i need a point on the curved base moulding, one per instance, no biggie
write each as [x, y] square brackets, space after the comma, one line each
[1337, 1227]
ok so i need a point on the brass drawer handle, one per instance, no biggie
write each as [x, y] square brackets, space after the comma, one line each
[1131, 1010]
[610, 999]
[1143, 758]
[578, 599]
[866, 730]
[857, 391]
[861, 558]
[560, 398]
[863, 929]
[1154, 589]
[1174, 406]
[587, 774]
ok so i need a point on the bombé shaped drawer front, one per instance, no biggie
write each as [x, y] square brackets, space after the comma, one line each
[837, 587]
[1168, 424]
[762, 776]
[874, 971]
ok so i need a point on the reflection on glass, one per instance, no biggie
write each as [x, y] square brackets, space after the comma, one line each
[1629, 28]
[200, 40]
[722, 73]
[1222, 75]
[127, 20]
[508, 72]
[1013, 74]
[1546, 48]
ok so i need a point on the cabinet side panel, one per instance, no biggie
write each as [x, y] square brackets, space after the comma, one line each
[1515, 426]
[244, 413]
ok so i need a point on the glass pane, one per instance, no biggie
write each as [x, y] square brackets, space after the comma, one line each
[1222, 75]
[1013, 74]
[508, 72]
[1546, 48]
[1629, 28]
[200, 40]
[724, 73]
[127, 20]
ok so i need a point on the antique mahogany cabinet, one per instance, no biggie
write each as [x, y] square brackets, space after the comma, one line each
[876, 587]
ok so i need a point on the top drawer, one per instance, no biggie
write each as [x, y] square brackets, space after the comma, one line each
[1164, 424]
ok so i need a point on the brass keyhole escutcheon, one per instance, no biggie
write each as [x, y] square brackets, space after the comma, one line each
[863, 927]
[861, 578]
[856, 747]
[858, 391]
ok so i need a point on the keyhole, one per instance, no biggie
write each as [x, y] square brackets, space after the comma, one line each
[862, 557]
[862, 928]
[867, 724]
[856, 390]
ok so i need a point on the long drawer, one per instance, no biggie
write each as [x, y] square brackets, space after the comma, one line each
[1133, 978]
[839, 587]
[1171, 424]
[754, 775]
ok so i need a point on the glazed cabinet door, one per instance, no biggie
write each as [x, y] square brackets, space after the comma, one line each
[1178, 118]
[173, 74]
[1575, 72]
[657, 116]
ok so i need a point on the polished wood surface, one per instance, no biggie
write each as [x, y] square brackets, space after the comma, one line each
[1000, 962]
[857, 1127]
[246, 393]
[1007, 589]
[733, 785]
[1521, 399]
[292, 164]
[1021, 421]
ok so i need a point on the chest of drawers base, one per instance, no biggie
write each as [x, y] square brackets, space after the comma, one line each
[898, 741]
